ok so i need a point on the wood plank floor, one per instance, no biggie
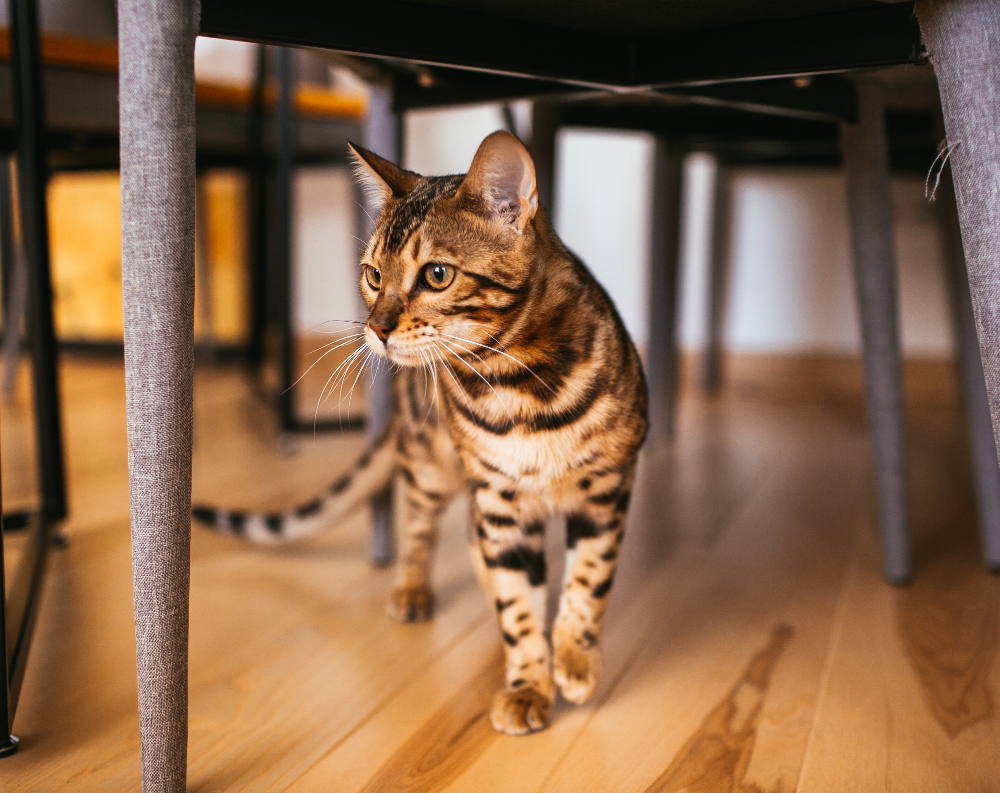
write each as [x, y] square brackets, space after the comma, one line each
[750, 644]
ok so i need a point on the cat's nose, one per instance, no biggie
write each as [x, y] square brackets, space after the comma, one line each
[382, 327]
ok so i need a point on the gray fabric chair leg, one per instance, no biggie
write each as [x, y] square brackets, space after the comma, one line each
[866, 158]
[718, 275]
[544, 127]
[384, 137]
[157, 112]
[661, 354]
[14, 311]
[977, 404]
[203, 273]
[963, 41]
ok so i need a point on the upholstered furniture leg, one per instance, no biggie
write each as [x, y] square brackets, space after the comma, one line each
[866, 158]
[718, 276]
[977, 403]
[544, 127]
[383, 136]
[963, 41]
[157, 117]
[661, 355]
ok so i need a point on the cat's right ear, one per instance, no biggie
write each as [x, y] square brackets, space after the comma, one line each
[380, 179]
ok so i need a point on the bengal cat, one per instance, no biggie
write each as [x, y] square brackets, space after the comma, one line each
[518, 383]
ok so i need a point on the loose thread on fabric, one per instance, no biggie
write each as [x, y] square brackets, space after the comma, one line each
[944, 152]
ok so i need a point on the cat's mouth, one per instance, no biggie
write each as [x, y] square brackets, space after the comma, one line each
[400, 351]
[411, 354]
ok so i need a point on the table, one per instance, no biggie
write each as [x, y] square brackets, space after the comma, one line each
[625, 47]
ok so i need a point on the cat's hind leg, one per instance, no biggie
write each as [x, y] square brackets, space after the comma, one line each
[593, 536]
[426, 491]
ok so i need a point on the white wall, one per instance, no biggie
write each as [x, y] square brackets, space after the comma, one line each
[602, 191]
[224, 61]
[441, 142]
[791, 286]
[324, 250]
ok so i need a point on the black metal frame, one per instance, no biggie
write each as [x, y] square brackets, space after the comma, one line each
[32, 179]
[283, 235]
[20, 610]
[270, 229]
[18, 615]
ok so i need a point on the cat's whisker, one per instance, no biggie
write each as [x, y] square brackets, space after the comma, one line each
[479, 374]
[454, 376]
[313, 364]
[428, 374]
[369, 217]
[319, 400]
[474, 355]
[506, 355]
[331, 384]
[337, 343]
[434, 395]
[315, 328]
[490, 327]
[358, 361]
[361, 371]
[328, 389]
[423, 367]
[361, 362]
[347, 365]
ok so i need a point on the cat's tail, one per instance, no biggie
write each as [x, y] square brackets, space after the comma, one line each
[370, 475]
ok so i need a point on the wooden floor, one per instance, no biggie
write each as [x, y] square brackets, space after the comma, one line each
[750, 643]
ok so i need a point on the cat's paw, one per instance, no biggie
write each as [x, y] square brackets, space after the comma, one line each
[411, 604]
[519, 711]
[577, 671]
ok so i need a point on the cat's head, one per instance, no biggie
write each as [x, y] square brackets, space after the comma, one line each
[450, 259]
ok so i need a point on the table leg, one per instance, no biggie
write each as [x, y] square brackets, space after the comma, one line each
[157, 129]
[977, 403]
[257, 214]
[963, 41]
[866, 158]
[719, 265]
[661, 355]
[383, 135]
[544, 128]
[284, 174]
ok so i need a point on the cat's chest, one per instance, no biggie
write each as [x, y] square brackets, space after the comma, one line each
[531, 458]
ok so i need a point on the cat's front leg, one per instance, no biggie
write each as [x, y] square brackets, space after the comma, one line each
[513, 555]
[593, 537]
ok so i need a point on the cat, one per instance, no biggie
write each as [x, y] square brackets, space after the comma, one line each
[518, 383]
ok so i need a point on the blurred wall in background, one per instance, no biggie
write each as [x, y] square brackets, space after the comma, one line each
[791, 286]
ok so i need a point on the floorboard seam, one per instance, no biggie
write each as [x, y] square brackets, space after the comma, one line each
[839, 617]
[471, 628]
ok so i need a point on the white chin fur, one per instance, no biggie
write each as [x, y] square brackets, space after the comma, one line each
[374, 343]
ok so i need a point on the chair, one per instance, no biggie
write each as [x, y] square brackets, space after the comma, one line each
[73, 125]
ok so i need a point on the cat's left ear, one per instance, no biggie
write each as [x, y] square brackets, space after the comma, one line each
[503, 175]
[380, 179]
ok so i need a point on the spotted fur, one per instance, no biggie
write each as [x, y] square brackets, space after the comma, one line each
[518, 384]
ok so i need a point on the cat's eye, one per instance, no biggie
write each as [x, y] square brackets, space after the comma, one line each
[438, 275]
[374, 276]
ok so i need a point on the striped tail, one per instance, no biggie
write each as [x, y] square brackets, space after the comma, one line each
[371, 474]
